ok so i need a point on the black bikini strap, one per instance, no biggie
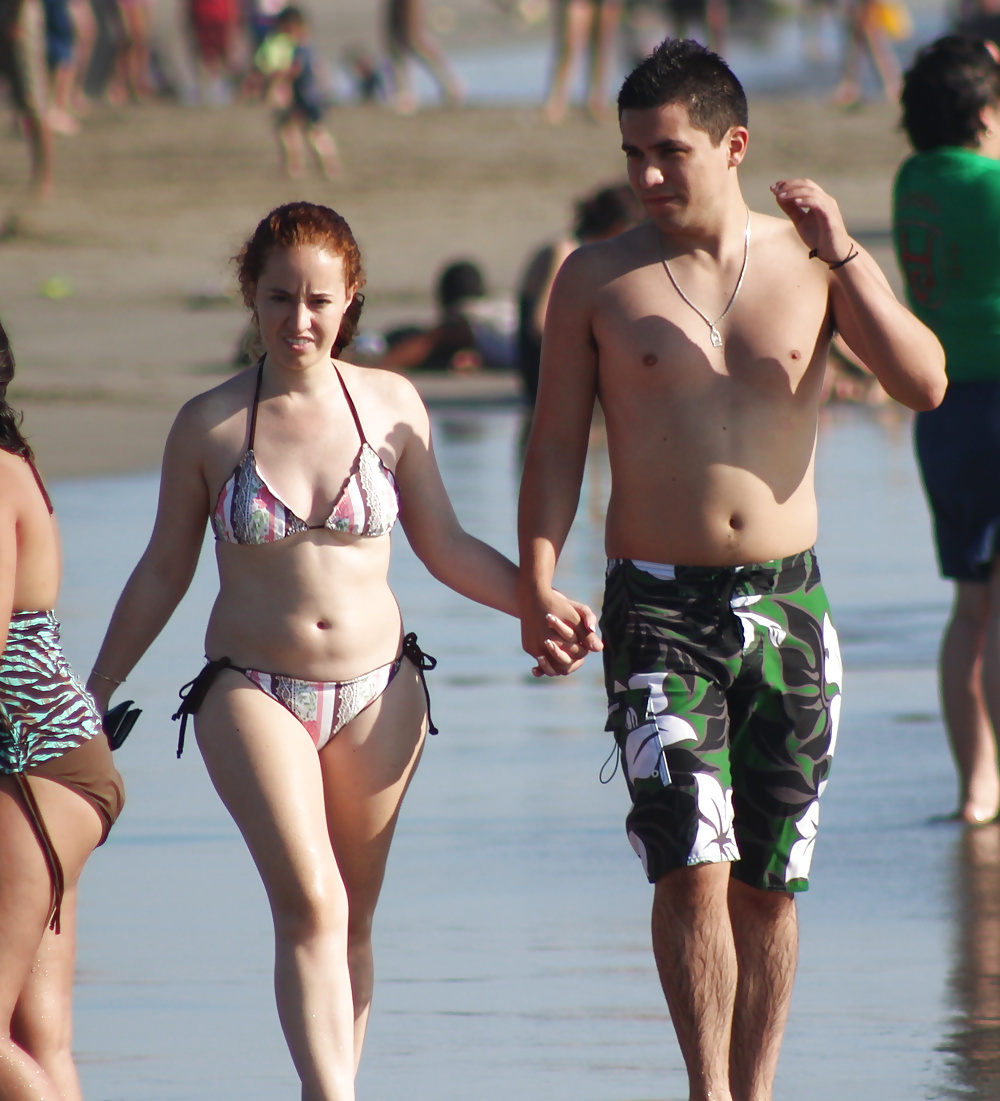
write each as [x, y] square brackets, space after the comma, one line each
[424, 664]
[38, 478]
[354, 413]
[194, 692]
[40, 484]
[256, 402]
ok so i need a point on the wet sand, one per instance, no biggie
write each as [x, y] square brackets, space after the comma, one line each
[153, 201]
[512, 940]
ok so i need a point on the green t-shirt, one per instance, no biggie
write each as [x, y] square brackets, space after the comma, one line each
[946, 226]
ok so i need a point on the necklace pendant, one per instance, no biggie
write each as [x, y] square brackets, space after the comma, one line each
[716, 337]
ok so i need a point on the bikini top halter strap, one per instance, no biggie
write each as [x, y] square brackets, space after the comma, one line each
[41, 485]
[256, 402]
[38, 478]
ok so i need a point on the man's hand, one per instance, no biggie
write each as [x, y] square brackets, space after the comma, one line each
[816, 217]
[558, 633]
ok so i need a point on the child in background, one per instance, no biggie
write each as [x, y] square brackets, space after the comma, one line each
[215, 27]
[286, 59]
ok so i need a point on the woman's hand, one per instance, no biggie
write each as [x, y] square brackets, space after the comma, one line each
[101, 690]
[564, 634]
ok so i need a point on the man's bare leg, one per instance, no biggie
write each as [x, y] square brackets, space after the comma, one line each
[962, 696]
[696, 961]
[765, 934]
[41, 146]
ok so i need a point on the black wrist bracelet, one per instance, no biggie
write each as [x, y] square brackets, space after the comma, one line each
[834, 264]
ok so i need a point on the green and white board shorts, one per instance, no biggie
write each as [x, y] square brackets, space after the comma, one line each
[724, 698]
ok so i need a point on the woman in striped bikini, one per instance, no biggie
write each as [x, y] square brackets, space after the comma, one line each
[311, 710]
[59, 790]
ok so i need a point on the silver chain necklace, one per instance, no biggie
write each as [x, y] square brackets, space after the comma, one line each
[716, 336]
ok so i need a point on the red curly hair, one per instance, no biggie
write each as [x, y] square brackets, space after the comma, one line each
[305, 224]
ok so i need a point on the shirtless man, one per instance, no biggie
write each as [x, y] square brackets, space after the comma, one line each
[704, 334]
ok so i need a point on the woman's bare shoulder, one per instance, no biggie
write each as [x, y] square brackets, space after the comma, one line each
[207, 412]
[18, 487]
[383, 390]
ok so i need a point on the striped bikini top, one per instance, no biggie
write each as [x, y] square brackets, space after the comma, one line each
[249, 512]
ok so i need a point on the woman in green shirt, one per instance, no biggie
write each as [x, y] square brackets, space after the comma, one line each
[946, 224]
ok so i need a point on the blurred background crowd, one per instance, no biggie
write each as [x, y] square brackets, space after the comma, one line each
[64, 63]
[61, 59]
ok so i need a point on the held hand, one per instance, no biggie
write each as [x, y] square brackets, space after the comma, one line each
[816, 217]
[559, 633]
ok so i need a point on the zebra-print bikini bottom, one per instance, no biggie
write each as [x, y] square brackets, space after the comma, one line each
[46, 715]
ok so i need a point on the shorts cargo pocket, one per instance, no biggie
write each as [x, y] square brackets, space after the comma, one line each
[639, 740]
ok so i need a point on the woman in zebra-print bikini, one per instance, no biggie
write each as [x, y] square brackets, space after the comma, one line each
[59, 790]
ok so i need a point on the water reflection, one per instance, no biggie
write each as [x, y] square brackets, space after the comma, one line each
[974, 1044]
[513, 942]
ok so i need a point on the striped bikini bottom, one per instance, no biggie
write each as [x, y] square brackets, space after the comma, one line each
[322, 707]
[49, 727]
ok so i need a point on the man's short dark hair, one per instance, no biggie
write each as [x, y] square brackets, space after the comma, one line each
[681, 70]
[945, 91]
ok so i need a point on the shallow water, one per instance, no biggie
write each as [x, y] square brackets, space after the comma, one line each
[778, 54]
[512, 939]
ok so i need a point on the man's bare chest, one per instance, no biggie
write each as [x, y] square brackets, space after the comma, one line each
[774, 330]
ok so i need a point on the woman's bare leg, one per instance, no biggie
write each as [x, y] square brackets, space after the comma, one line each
[36, 965]
[85, 26]
[574, 18]
[43, 1020]
[267, 772]
[366, 770]
[604, 37]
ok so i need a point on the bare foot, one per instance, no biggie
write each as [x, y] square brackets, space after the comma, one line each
[968, 816]
[555, 111]
[846, 94]
[62, 122]
[405, 104]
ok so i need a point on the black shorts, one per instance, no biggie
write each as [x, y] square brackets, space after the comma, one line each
[958, 449]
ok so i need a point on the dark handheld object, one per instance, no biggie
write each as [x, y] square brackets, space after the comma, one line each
[118, 722]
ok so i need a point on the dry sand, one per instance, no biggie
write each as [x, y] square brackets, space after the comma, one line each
[152, 202]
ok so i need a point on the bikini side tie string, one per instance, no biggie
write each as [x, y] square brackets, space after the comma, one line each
[424, 664]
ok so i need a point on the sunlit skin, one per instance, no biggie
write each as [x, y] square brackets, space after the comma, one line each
[300, 303]
[315, 606]
[36, 964]
[712, 453]
[970, 647]
[676, 169]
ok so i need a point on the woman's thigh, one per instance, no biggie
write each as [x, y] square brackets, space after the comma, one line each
[265, 768]
[367, 768]
[75, 829]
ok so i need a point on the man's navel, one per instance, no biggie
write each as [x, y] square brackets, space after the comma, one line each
[650, 359]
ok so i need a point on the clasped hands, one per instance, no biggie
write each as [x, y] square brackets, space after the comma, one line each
[558, 633]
